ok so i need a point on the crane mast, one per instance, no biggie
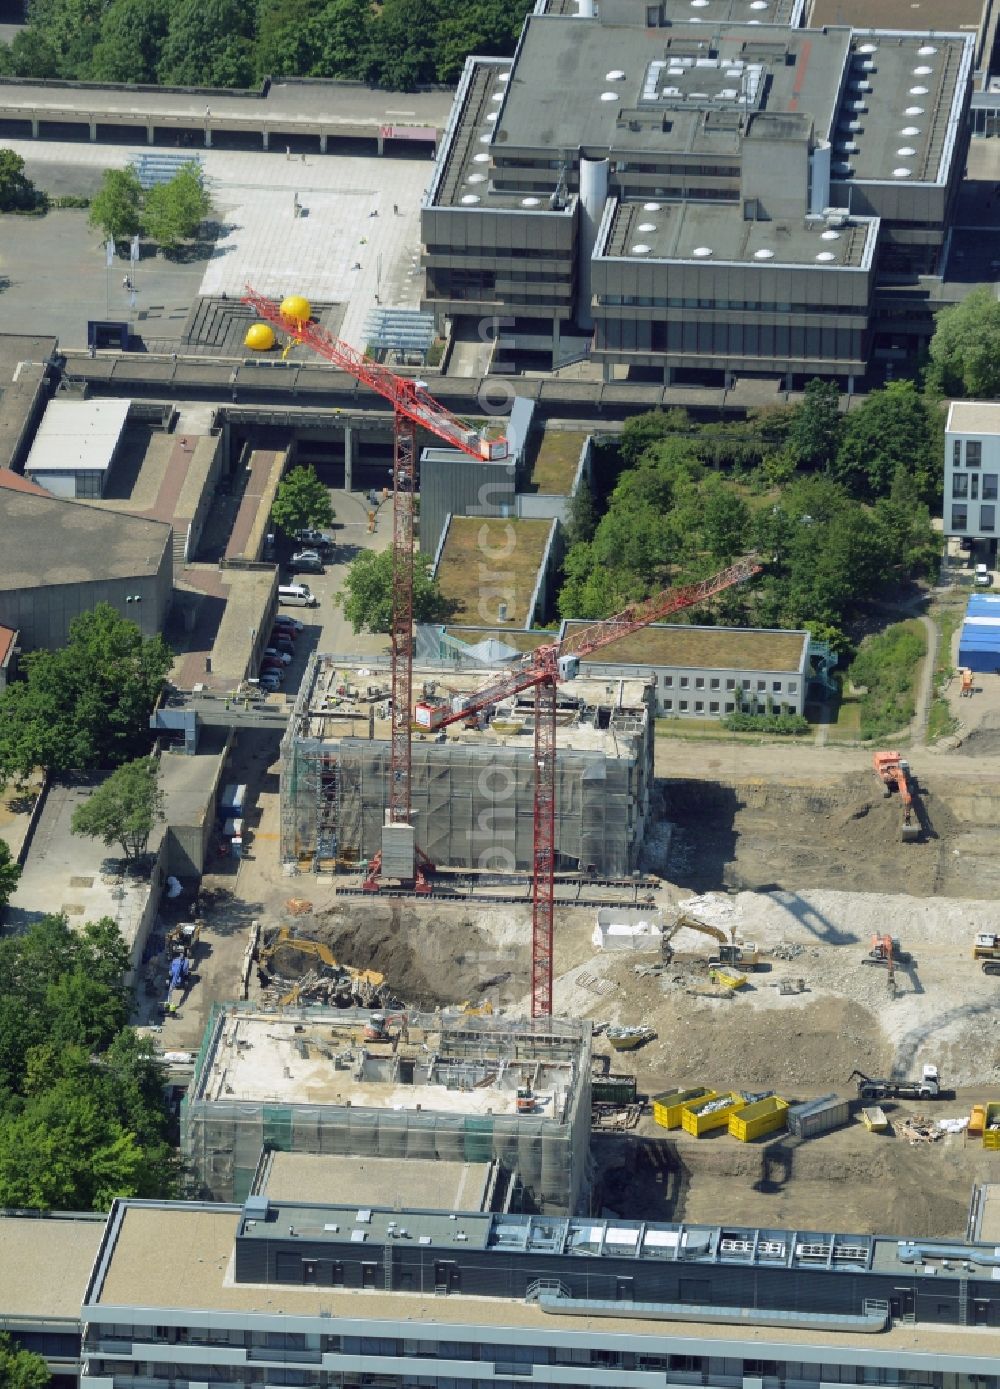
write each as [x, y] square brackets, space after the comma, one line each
[412, 405]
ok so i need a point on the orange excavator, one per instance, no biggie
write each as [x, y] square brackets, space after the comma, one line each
[894, 774]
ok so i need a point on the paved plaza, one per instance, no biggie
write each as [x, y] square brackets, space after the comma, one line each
[334, 251]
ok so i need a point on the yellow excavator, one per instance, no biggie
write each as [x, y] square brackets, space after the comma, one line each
[740, 954]
[359, 983]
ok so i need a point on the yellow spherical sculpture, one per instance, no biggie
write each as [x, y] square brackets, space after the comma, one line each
[297, 307]
[260, 337]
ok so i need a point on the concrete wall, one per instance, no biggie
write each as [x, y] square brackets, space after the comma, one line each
[671, 693]
[43, 614]
[206, 467]
[453, 484]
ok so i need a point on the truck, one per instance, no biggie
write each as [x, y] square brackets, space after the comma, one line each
[986, 947]
[928, 1087]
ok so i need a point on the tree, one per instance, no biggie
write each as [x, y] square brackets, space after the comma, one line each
[86, 705]
[17, 192]
[175, 210]
[890, 429]
[403, 35]
[367, 595]
[301, 501]
[965, 348]
[20, 1368]
[123, 809]
[115, 207]
[132, 34]
[10, 872]
[208, 44]
[816, 427]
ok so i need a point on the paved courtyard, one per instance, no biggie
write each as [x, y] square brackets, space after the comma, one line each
[56, 265]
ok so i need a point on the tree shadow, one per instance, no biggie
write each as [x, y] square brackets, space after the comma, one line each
[814, 921]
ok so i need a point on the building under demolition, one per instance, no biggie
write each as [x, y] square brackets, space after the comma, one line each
[472, 787]
[461, 1090]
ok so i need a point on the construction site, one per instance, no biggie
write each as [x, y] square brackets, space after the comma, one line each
[401, 1086]
[472, 785]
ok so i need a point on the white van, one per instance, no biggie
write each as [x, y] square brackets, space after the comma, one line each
[297, 595]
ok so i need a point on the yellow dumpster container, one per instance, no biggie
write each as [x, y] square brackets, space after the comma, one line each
[977, 1119]
[695, 1120]
[874, 1119]
[763, 1116]
[991, 1135]
[667, 1106]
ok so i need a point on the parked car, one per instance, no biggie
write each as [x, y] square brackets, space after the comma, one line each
[283, 640]
[291, 623]
[307, 561]
[319, 540]
[271, 653]
[298, 595]
[983, 579]
[270, 666]
[270, 681]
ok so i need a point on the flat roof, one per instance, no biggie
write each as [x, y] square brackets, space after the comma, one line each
[554, 459]
[180, 1258]
[973, 417]
[321, 713]
[488, 560]
[378, 1181]
[555, 97]
[78, 435]
[264, 1057]
[705, 233]
[53, 540]
[720, 648]
[45, 1263]
[921, 15]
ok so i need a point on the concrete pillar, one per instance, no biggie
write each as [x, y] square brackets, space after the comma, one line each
[668, 375]
[265, 135]
[34, 127]
[850, 385]
[348, 458]
[208, 138]
[788, 380]
[555, 341]
[322, 143]
[149, 133]
[381, 145]
[93, 130]
[608, 373]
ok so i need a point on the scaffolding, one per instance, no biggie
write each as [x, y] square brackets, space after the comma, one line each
[475, 1067]
[472, 796]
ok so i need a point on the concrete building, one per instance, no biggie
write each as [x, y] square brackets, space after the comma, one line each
[344, 1295]
[61, 558]
[76, 445]
[695, 197]
[304, 1082]
[972, 470]
[472, 788]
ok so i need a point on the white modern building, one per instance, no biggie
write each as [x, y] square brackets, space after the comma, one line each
[76, 445]
[972, 470]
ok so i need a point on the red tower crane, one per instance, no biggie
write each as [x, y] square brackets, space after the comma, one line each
[541, 671]
[412, 404]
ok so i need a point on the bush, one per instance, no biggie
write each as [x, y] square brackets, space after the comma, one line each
[784, 725]
[885, 667]
[69, 200]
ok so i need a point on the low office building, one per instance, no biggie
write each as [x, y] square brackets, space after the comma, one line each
[698, 190]
[61, 558]
[972, 470]
[344, 1295]
[76, 445]
[304, 1082]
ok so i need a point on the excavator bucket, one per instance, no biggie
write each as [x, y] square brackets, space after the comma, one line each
[911, 831]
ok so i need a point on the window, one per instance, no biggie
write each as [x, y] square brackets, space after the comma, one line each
[776, 686]
[682, 704]
[699, 706]
[668, 680]
[684, 682]
[974, 488]
[730, 684]
[668, 704]
[960, 485]
[973, 453]
[956, 454]
[988, 518]
[793, 686]
[959, 518]
[730, 707]
[746, 684]
[699, 682]
[761, 684]
[989, 487]
[713, 707]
